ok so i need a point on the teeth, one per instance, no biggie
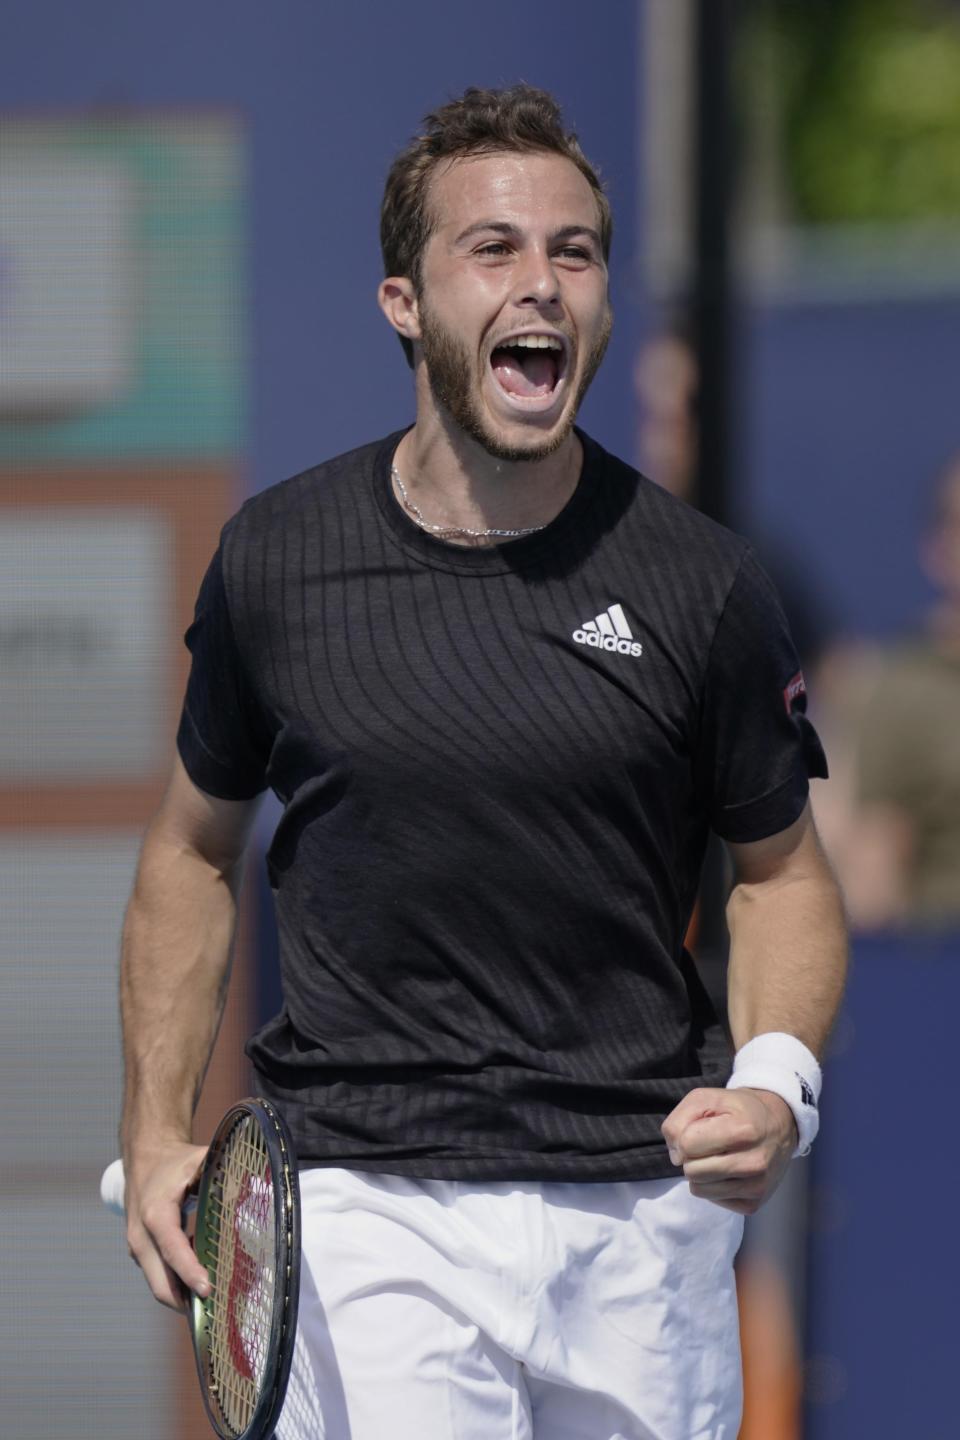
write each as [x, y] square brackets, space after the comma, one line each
[535, 342]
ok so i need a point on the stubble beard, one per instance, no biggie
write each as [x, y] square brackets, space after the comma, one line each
[451, 375]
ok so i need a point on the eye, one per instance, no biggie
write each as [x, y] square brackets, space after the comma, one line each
[575, 252]
[492, 247]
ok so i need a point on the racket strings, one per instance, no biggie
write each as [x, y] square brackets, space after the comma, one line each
[242, 1268]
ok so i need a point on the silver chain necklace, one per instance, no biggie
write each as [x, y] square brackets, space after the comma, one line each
[417, 514]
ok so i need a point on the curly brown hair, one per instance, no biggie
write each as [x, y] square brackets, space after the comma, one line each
[480, 122]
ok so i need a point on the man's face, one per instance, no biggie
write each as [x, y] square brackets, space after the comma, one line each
[515, 256]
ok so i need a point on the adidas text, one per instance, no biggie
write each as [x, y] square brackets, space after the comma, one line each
[607, 642]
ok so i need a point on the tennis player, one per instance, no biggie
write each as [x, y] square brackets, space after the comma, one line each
[504, 687]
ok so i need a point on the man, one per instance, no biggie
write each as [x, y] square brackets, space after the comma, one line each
[503, 687]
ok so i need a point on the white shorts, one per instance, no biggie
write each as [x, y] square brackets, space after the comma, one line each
[443, 1310]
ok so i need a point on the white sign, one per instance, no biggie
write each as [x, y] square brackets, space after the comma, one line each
[68, 295]
[85, 644]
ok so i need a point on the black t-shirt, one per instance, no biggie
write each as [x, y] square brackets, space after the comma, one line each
[498, 769]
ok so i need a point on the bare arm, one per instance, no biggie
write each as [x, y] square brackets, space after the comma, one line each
[788, 946]
[787, 965]
[175, 963]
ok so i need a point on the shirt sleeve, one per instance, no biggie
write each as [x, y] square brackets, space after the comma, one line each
[758, 750]
[222, 739]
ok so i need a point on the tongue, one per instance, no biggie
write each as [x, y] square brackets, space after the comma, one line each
[534, 374]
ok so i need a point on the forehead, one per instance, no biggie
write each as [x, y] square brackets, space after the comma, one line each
[524, 189]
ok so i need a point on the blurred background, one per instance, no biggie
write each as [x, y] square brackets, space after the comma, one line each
[188, 261]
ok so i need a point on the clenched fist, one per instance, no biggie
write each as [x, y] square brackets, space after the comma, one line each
[734, 1145]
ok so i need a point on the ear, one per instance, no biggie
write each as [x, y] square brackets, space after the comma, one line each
[398, 301]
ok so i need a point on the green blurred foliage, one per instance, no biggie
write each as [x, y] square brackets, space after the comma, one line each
[869, 93]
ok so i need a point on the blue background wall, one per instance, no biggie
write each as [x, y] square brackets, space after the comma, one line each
[885, 1262]
[851, 410]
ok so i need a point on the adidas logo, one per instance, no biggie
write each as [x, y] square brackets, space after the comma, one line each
[609, 631]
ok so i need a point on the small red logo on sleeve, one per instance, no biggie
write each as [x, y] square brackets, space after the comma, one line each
[794, 688]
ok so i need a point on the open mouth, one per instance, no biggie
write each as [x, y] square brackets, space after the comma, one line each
[530, 367]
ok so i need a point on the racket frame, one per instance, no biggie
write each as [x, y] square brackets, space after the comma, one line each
[286, 1212]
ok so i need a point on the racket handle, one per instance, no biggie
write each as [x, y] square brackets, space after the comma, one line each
[112, 1187]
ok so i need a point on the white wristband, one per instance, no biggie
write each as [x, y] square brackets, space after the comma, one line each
[783, 1065]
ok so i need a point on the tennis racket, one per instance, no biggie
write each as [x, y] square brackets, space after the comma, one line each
[248, 1238]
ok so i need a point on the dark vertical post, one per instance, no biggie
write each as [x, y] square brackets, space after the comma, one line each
[711, 324]
[712, 284]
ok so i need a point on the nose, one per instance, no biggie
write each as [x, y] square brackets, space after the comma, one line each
[536, 280]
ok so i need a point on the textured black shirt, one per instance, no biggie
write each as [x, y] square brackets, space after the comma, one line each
[498, 769]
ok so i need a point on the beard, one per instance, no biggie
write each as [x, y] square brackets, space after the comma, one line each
[450, 373]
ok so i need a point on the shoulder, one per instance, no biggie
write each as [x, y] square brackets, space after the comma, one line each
[666, 529]
[266, 518]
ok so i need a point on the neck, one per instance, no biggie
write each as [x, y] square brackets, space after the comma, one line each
[455, 483]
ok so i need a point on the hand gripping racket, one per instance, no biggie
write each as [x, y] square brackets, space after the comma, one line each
[248, 1238]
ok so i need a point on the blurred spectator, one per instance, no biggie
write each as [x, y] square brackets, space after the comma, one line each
[907, 758]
